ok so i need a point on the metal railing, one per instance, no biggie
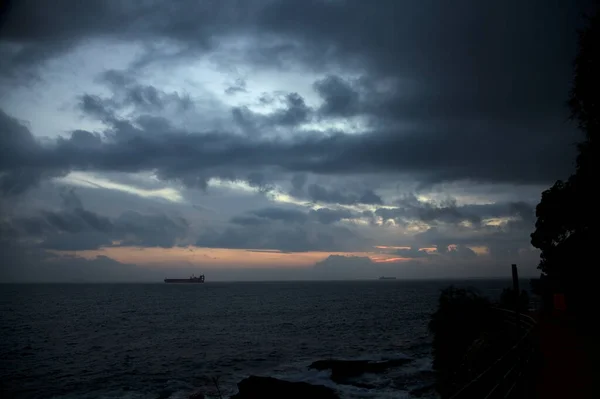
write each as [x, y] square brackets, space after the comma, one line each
[504, 377]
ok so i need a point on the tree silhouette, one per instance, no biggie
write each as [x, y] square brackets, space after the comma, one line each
[462, 316]
[567, 210]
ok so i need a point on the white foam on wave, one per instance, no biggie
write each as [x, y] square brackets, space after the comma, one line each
[376, 386]
[317, 377]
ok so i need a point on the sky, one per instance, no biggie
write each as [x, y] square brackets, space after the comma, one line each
[278, 140]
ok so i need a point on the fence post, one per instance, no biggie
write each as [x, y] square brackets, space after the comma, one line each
[517, 294]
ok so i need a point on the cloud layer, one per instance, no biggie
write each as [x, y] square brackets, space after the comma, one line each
[332, 126]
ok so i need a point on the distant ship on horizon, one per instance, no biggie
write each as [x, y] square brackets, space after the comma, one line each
[386, 278]
[191, 279]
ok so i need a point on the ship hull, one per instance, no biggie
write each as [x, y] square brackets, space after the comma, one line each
[183, 281]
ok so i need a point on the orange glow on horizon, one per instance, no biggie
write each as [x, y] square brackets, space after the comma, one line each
[221, 257]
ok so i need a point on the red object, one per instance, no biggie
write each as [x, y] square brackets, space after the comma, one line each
[566, 370]
[559, 302]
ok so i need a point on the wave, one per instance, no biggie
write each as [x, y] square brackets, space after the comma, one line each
[396, 382]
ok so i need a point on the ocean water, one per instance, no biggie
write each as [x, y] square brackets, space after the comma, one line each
[168, 341]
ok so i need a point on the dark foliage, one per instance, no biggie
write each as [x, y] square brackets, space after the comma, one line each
[507, 299]
[563, 231]
[462, 317]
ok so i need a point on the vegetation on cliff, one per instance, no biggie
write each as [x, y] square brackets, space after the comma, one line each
[565, 215]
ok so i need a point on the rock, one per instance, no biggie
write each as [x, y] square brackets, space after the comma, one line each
[197, 395]
[343, 369]
[255, 387]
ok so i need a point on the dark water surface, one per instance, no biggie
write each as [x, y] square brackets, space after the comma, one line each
[160, 340]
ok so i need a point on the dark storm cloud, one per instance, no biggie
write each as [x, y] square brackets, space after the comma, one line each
[298, 181]
[292, 216]
[281, 214]
[249, 220]
[21, 263]
[16, 182]
[15, 137]
[75, 228]
[340, 99]
[469, 90]
[447, 211]
[150, 98]
[369, 197]
[463, 73]
[318, 193]
[34, 31]
[82, 241]
[458, 251]
[97, 107]
[152, 144]
[496, 210]
[76, 221]
[126, 92]
[258, 180]
[72, 229]
[295, 238]
[412, 252]
[328, 216]
[16, 142]
[157, 230]
[293, 112]
[286, 230]
[84, 139]
[239, 86]
[296, 112]
[436, 42]
[506, 241]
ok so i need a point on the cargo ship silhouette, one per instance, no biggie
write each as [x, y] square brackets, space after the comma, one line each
[191, 279]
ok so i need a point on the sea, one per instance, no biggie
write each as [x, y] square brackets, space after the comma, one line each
[168, 341]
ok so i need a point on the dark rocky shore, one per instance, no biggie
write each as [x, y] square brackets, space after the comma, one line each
[255, 387]
[342, 372]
